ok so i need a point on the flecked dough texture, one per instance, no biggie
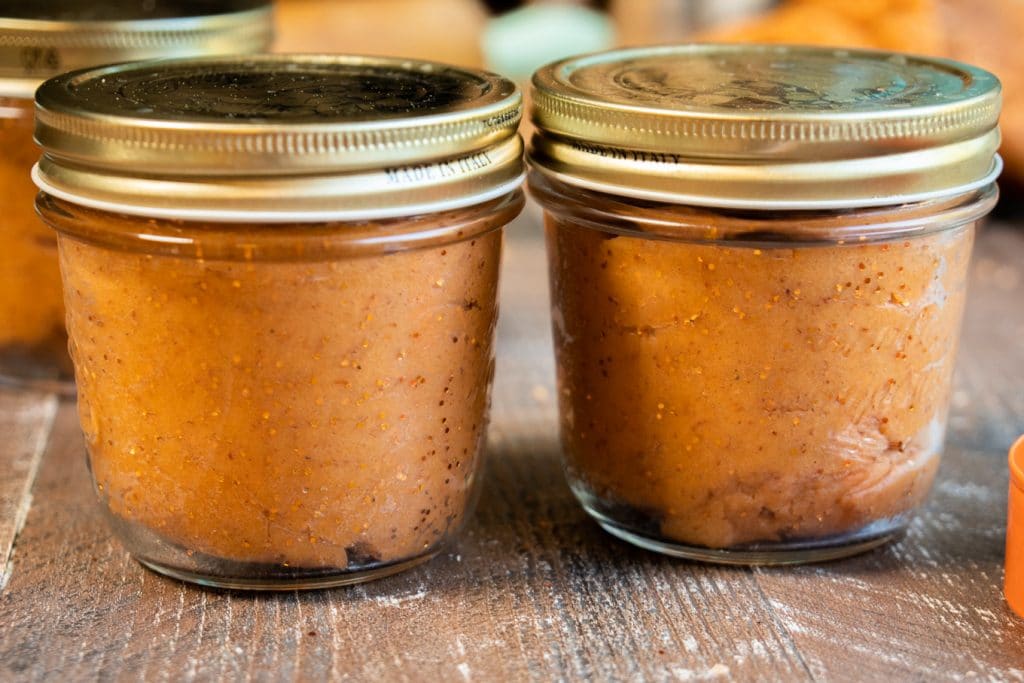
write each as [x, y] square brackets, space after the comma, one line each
[736, 395]
[313, 414]
[33, 342]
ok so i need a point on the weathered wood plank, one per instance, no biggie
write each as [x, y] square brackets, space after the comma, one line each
[25, 420]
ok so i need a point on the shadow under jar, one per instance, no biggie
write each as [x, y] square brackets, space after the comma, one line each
[284, 363]
[42, 39]
[758, 259]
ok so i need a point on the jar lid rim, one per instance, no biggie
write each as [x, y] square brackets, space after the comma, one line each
[313, 133]
[747, 115]
[711, 93]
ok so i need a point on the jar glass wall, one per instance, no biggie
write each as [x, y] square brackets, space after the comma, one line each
[758, 258]
[754, 387]
[289, 405]
[33, 343]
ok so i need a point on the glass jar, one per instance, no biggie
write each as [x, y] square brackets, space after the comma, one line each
[282, 312]
[42, 39]
[33, 343]
[758, 259]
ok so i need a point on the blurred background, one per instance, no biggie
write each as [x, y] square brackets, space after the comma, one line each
[515, 37]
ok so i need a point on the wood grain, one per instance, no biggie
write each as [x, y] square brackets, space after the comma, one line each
[536, 591]
[25, 420]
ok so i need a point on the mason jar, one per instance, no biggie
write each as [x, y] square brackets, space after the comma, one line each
[758, 259]
[281, 277]
[39, 40]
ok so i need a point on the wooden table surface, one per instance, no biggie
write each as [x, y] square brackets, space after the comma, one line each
[534, 590]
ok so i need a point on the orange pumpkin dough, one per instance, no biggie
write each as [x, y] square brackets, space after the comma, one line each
[315, 412]
[734, 395]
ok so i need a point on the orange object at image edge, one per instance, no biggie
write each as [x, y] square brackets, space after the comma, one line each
[1014, 586]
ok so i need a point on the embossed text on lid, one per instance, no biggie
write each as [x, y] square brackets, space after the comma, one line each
[775, 80]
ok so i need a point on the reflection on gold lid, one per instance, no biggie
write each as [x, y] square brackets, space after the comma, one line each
[277, 136]
[42, 38]
[766, 126]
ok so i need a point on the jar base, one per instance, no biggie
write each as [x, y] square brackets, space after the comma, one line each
[750, 558]
[303, 580]
[163, 556]
[802, 551]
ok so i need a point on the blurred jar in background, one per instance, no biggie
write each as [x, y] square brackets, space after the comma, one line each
[42, 39]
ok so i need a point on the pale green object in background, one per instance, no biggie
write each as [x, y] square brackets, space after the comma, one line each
[518, 43]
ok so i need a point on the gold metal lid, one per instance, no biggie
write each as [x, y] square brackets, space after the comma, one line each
[42, 38]
[751, 126]
[278, 138]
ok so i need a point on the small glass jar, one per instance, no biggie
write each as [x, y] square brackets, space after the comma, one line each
[42, 39]
[33, 343]
[281, 285]
[758, 259]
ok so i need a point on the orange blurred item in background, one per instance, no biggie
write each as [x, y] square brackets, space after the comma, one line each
[438, 30]
[1014, 580]
[897, 25]
[986, 34]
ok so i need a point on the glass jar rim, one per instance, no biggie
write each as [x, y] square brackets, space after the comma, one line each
[298, 241]
[626, 215]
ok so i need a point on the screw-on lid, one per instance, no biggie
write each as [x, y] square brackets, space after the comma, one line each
[42, 38]
[751, 126]
[278, 138]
